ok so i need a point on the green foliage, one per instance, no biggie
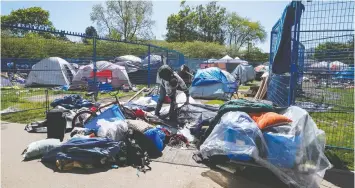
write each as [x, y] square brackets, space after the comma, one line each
[182, 26]
[35, 46]
[211, 23]
[128, 18]
[32, 17]
[331, 51]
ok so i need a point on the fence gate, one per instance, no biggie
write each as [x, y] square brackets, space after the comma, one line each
[312, 66]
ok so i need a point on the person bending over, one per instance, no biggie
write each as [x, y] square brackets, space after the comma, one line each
[170, 82]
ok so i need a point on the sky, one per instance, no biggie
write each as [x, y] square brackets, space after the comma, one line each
[75, 15]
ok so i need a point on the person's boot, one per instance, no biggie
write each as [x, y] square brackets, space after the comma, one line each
[157, 109]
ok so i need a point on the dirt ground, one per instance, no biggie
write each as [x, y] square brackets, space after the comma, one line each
[18, 174]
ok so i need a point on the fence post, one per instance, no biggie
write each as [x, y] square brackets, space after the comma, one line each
[148, 65]
[294, 57]
[167, 57]
[94, 64]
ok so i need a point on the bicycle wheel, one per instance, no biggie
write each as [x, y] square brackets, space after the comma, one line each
[81, 118]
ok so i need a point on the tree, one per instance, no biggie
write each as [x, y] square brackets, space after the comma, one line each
[89, 31]
[130, 19]
[242, 31]
[33, 17]
[211, 21]
[182, 26]
[335, 51]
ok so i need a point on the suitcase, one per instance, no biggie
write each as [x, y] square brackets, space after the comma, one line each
[56, 123]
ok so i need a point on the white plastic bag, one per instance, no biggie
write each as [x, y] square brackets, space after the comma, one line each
[39, 148]
[181, 98]
[146, 101]
[115, 130]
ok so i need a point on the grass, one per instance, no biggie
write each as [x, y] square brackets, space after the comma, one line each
[33, 111]
[341, 159]
[212, 102]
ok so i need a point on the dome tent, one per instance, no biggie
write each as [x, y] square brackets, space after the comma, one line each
[211, 83]
[53, 71]
[244, 72]
[118, 78]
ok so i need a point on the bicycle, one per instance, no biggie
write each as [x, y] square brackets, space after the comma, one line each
[84, 116]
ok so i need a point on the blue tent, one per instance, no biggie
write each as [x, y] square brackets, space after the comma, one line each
[212, 83]
[347, 74]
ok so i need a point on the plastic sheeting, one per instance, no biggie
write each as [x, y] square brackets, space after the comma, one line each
[192, 113]
[295, 155]
[245, 73]
[115, 130]
[233, 136]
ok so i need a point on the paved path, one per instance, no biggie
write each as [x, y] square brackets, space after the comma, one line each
[18, 174]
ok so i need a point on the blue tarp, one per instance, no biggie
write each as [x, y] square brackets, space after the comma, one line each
[208, 76]
[346, 74]
[86, 150]
[112, 114]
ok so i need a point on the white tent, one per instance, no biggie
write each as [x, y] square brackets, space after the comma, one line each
[236, 58]
[53, 71]
[119, 74]
[320, 66]
[337, 66]
[227, 57]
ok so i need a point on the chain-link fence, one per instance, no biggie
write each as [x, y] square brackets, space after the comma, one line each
[39, 65]
[320, 67]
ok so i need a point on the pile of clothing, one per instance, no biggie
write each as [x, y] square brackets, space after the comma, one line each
[72, 102]
[107, 141]
[284, 140]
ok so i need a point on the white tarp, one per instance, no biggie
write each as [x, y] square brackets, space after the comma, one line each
[51, 71]
[119, 74]
[130, 58]
[154, 59]
[244, 72]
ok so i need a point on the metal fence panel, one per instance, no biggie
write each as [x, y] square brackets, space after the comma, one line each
[321, 78]
[23, 52]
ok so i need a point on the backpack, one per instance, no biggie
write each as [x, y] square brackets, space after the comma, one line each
[136, 156]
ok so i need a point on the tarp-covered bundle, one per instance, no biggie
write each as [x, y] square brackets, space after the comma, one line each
[294, 152]
[53, 71]
[130, 62]
[118, 76]
[212, 83]
[96, 151]
[244, 72]
[155, 60]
